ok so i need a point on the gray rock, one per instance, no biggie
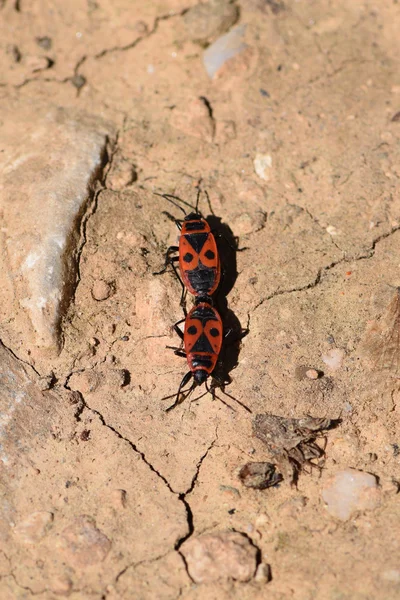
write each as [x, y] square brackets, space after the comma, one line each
[50, 168]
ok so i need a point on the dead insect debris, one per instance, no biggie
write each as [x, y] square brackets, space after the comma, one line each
[292, 442]
[259, 475]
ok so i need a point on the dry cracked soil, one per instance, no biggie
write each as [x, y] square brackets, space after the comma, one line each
[292, 125]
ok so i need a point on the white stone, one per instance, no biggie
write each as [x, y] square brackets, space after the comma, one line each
[262, 164]
[334, 358]
[350, 491]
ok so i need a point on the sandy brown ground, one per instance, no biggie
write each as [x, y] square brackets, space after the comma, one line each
[96, 457]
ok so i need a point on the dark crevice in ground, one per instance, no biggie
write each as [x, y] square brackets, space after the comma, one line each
[322, 270]
[82, 404]
[77, 79]
[25, 362]
[27, 588]
[189, 512]
[119, 435]
[95, 186]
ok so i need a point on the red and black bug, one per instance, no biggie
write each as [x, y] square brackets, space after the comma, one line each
[202, 341]
[198, 258]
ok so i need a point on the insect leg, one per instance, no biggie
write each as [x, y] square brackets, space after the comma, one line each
[186, 378]
[182, 301]
[168, 259]
[177, 330]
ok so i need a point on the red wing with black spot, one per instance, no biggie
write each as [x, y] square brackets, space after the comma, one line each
[203, 337]
[198, 258]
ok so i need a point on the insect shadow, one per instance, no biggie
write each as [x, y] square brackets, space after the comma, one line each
[228, 247]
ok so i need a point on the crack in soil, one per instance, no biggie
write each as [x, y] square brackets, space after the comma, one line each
[101, 54]
[25, 362]
[181, 496]
[27, 588]
[98, 179]
[183, 539]
[322, 270]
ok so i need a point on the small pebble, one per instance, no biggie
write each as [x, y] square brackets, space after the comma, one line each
[262, 520]
[44, 42]
[262, 165]
[118, 499]
[332, 230]
[46, 382]
[247, 223]
[223, 49]
[220, 556]
[61, 586]
[205, 21]
[230, 491]
[101, 290]
[85, 381]
[78, 81]
[263, 573]
[292, 507]
[116, 378]
[141, 27]
[37, 63]
[121, 175]
[32, 529]
[83, 544]
[303, 372]
[312, 374]
[334, 358]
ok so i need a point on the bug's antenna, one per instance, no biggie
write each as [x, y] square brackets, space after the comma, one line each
[166, 197]
[199, 397]
[197, 200]
[171, 198]
[209, 203]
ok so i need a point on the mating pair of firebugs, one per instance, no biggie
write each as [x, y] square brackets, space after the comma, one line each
[200, 274]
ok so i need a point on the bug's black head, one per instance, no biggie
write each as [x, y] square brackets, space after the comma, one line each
[200, 376]
[194, 216]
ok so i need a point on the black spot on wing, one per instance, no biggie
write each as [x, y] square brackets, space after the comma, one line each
[188, 257]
